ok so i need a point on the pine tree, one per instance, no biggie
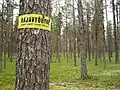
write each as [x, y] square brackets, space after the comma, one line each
[115, 35]
[34, 47]
[82, 40]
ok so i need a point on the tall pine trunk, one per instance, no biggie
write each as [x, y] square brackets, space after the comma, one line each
[34, 50]
[88, 32]
[82, 41]
[74, 34]
[115, 35]
[108, 39]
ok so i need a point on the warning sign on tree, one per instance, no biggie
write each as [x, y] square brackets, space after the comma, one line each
[35, 21]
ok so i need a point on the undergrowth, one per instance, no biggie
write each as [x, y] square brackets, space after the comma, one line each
[65, 72]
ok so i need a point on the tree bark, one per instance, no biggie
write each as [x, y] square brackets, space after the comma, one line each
[34, 50]
[1, 40]
[115, 35]
[59, 37]
[108, 40]
[82, 40]
[88, 32]
[74, 34]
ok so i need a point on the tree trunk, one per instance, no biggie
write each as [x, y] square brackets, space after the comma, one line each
[88, 32]
[103, 36]
[66, 40]
[70, 47]
[34, 50]
[74, 34]
[82, 40]
[96, 33]
[109, 55]
[59, 37]
[1, 40]
[115, 35]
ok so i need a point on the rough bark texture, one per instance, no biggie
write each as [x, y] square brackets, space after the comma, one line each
[115, 35]
[108, 32]
[88, 32]
[98, 32]
[82, 40]
[74, 34]
[34, 50]
[58, 51]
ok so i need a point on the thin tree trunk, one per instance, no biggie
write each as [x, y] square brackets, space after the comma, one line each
[64, 51]
[59, 37]
[82, 41]
[88, 33]
[115, 35]
[103, 38]
[109, 55]
[96, 33]
[70, 47]
[5, 41]
[2, 27]
[93, 48]
[66, 44]
[78, 46]
[11, 37]
[74, 34]
[96, 48]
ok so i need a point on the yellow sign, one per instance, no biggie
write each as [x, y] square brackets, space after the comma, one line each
[35, 21]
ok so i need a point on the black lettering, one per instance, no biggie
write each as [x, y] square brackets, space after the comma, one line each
[27, 19]
[43, 16]
[32, 19]
[42, 20]
[48, 22]
[39, 20]
[22, 20]
[36, 19]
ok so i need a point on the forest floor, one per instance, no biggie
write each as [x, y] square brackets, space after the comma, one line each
[65, 76]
